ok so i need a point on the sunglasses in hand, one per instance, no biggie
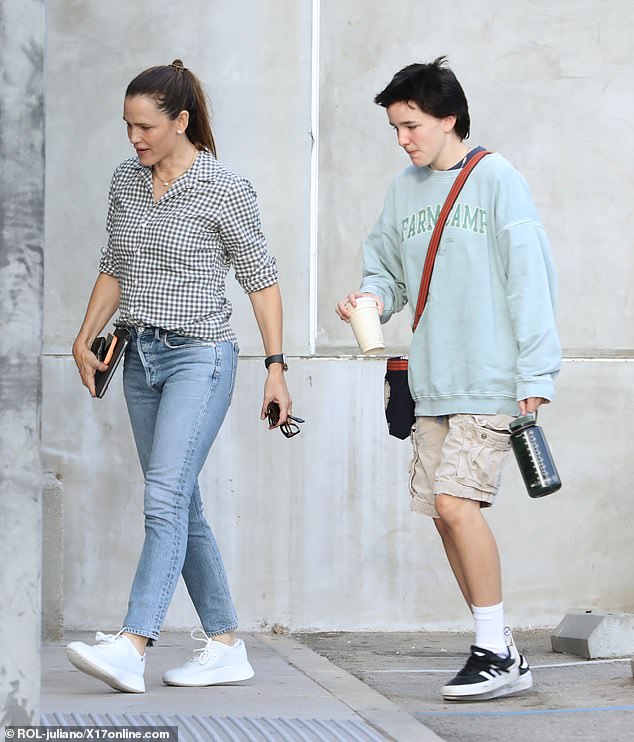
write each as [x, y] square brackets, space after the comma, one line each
[289, 429]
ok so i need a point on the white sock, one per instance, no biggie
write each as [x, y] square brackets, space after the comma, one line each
[489, 628]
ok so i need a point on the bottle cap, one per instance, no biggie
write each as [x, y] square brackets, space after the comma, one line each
[522, 422]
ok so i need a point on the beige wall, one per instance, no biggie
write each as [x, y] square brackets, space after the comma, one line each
[316, 531]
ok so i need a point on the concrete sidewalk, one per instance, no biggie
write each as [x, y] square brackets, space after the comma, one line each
[296, 694]
[347, 687]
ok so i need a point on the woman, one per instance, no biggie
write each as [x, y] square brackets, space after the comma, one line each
[177, 220]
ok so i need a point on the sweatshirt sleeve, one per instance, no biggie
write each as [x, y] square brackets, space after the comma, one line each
[531, 293]
[383, 271]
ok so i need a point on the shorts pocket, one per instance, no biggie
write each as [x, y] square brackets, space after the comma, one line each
[413, 462]
[482, 456]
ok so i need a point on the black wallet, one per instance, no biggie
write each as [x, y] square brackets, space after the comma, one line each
[109, 350]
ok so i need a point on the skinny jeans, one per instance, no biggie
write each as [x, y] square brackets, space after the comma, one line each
[178, 391]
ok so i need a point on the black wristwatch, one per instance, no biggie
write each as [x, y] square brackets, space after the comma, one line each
[277, 358]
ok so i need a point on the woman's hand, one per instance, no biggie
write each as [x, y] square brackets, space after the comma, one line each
[275, 390]
[103, 303]
[345, 306]
[531, 404]
[267, 307]
[87, 364]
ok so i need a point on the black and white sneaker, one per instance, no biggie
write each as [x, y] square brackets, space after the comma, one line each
[525, 678]
[485, 673]
[522, 682]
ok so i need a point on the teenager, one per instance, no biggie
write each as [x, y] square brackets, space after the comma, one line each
[486, 348]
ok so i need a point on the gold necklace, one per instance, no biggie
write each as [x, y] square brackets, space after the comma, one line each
[166, 183]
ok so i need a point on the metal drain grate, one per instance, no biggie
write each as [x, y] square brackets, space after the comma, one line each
[230, 728]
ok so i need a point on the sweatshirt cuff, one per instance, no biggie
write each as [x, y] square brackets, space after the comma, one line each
[388, 304]
[543, 387]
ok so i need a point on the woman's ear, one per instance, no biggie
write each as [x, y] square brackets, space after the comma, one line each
[182, 121]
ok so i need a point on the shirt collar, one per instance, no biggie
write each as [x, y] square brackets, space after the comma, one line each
[202, 169]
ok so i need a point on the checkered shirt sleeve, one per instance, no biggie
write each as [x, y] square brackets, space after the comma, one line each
[171, 257]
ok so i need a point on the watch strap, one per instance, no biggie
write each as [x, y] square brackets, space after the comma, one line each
[276, 358]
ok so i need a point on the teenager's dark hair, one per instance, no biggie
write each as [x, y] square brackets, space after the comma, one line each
[435, 90]
[174, 88]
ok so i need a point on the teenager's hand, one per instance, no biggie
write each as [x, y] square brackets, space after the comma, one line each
[531, 404]
[345, 306]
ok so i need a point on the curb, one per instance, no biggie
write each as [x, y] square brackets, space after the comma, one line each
[382, 714]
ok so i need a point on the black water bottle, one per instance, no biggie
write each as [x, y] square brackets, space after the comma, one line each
[534, 457]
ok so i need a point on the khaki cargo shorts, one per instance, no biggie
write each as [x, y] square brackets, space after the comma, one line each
[459, 455]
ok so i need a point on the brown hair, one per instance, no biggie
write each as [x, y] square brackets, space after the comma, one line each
[175, 88]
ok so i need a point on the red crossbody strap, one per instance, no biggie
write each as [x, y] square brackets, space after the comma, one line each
[437, 233]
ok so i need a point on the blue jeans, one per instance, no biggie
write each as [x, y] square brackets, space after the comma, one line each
[178, 391]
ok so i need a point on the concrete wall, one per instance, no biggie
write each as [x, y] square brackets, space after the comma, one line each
[257, 76]
[316, 531]
[549, 86]
[21, 299]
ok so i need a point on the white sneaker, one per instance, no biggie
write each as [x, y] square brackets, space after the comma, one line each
[212, 664]
[114, 660]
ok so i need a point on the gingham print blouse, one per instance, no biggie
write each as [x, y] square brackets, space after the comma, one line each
[171, 257]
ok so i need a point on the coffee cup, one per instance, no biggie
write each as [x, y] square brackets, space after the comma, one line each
[366, 325]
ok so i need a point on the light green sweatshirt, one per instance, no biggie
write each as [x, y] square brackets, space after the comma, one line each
[487, 337]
